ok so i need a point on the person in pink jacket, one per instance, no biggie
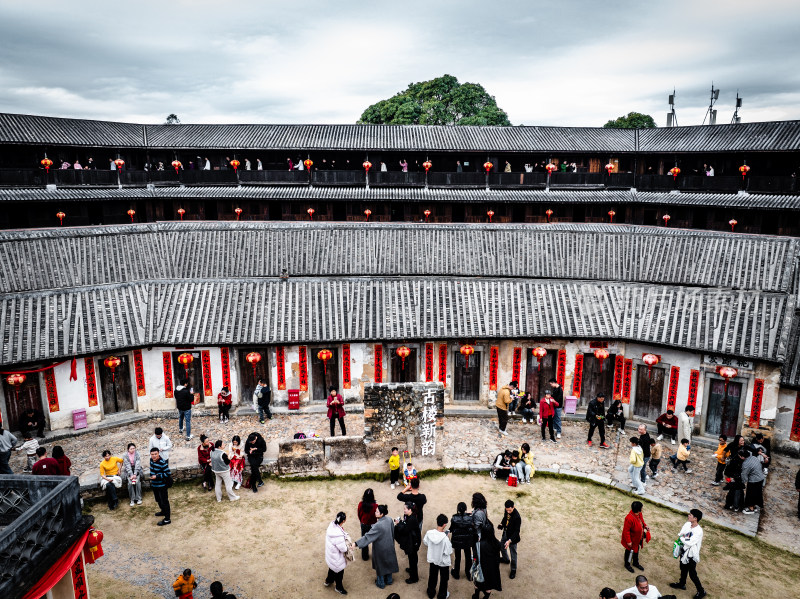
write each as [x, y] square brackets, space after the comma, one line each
[336, 411]
[337, 542]
[547, 411]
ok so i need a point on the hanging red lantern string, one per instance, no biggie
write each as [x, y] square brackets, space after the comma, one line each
[666, 219]
[427, 213]
[651, 360]
[235, 164]
[467, 351]
[550, 168]
[308, 163]
[93, 548]
[427, 165]
[601, 354]
[16, 379]
[548, 213]
[119, 163]
[367, 165]
[176, 164]
[367, 213]
[674, 171]
[311, 213]
[185, 359]
[611, 215]
[253, 358]
[403, 352]
[487, 166]
[325, 355]
[238, 212]
[490, 214]
[46, 163]
[727, 373]
[609, 168]
[131, 213]
[744, 169]
[540, 353]
[181, 212]
[111, 363]
[733, 222]
[60, 216]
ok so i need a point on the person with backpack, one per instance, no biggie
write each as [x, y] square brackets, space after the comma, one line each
[463, 539]
[261, 400]
[408, 536]
[488, 558]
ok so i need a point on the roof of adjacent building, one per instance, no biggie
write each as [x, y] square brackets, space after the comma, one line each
[43, 130]
[405, 194]
[66, 292]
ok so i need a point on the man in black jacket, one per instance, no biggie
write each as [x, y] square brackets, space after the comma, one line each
[511, 524]
[595, 415]
[183, 401]
[416, 498]
[644, 443]
[408, 536]
[558, 396]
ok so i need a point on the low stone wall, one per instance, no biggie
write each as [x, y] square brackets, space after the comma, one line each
[301, 456]
[341, 449]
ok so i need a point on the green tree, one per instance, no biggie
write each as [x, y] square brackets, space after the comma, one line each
[634, 120]
[172, 119]
[440, 101]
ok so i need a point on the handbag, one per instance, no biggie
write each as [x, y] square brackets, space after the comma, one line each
[677, 549]
[512, 480]
[169, 481]
[350, 555]
[475, 571]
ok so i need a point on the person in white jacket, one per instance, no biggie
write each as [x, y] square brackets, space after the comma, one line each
[691, 536]
[161, 442]
[686, 423]
[337, 542]
[439, 551]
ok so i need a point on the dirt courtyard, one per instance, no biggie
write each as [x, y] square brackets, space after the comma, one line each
[271, 544]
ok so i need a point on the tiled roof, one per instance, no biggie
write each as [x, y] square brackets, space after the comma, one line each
[47, 325]
[88, 256]
[769, 136]
[408, 194]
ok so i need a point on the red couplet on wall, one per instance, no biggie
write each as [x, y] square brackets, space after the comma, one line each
[303, 368]
[694, 383]
[626, 381]
[619, 367]
[429, 362]
[561, 368]
[167, 362]
[345, 366]
[280, 364]
[672, 394]
[205, 361]
[794, 435]
[516, 363]
[443, 364]
[91, 381]
[379, 363]
[52, 393]
[755, 407]
[138, 370]
[577, 376]
[225, 359]
[494, 360]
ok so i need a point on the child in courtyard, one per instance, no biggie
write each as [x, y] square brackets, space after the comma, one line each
[655, 457]
[682, 457]
[721, 461]
[185, 585]
[409, 473]
[394, 466]
[29, 447]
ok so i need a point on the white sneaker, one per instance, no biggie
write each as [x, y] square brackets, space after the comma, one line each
[237, 486]
[503, 433]
[523, 420]
[689, 471]
[558, 435]
[393, 486]
[235, 498]
[139, 502]
[622, 431]
[672, 441]
[132, 504]
[659, 437]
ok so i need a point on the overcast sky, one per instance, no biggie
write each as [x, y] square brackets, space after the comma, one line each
[574, 62]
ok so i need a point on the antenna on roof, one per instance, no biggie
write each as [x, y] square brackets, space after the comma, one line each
[711, 113]
[736, 118]
[672, 118]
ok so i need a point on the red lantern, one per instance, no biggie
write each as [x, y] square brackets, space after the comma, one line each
[744, 169]
[427, 165]
[367, 165]
[403, 352]
[131, 213]
[609, 168]
[611, 215]
[467, 351]
[111, 363]
[550, 167]
[119, 163]
[15, 380]
[427, 213]
[253, 358]
[674, 171]
[548, 213]
[176, 164]
[367, 213]
[238, 212]
[308, 163]
[181, 212]
[60, 216]
[185, 359]
[490, 214]
[666, 218]
[487, 166]
[540, 353]
[733, 222]
[235, 164]
[93, 548]
[325, 355]
[311, 213]
[651, 360]
[727, 373]
[46, 163]
[601, 354]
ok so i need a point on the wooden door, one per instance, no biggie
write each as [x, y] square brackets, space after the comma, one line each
[194, 372]
[723, 409]
[322, 377]
[466, 380]
[595, 380]
[248, 380]
[19, 399]
[116, 389]
[536, 379]
[401, 373]
[649, 392]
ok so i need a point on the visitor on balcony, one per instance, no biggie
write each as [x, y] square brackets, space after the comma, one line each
[383, 167]
[259, 166]
[404, 165]
[459, 168]
[507, 168]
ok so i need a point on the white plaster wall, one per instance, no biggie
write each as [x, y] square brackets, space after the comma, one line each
[787, 399]
[72, 395]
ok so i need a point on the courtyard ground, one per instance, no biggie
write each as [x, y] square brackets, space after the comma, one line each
[271, 544]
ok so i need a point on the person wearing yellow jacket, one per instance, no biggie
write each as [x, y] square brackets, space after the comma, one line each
[185, 585]
[525, 467]
[502, 404]
[635, 469]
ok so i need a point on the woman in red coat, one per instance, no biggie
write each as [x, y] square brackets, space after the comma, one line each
[336, 411]
[634, 531]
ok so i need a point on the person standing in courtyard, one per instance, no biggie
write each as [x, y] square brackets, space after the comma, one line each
[261, 400]
[686, 423]
[463, 539]
[45, 466]
[29, 446]
[439, 551]
[502, 404]
[479, 515]
[655, 456]
[335, 405]
[558, 398]
[337, 544]
[634, 533]
[642, 590]
[110, 479]
[546, 413]
[204, 459]
[160, 481]
[407, 534]
[644, 443]
[488, 556]
[366, 516]
[64, 463]
[510, 525]
[721, 460]
[220, 466]
[667, 425]
[224, 401]
[161, 442]
[236, 455]
[381, 536]
[635, 468]
[753, 477]
[133, 473]
[411, 493]
[7, 442]
[183, 401]
[254, 449]
[595, 416]
[691, 537]
[185, 585]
